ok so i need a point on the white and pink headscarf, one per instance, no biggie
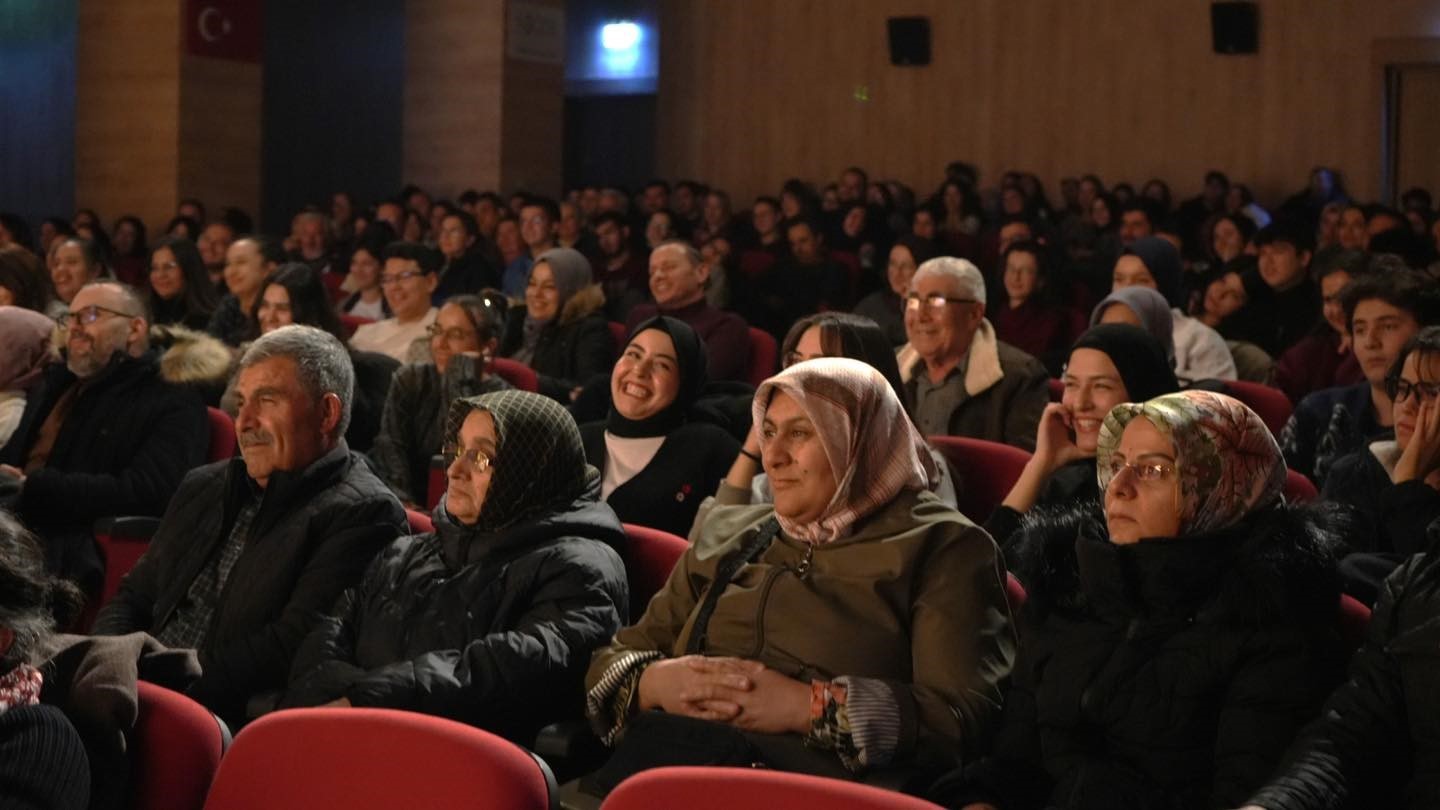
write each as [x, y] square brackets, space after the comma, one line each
[874, 450]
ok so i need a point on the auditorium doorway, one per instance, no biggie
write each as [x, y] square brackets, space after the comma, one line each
[1412, 116]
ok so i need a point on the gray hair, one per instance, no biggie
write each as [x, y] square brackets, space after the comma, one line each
[134, 300]
[965, 275]
[321, 360]
[31, 600]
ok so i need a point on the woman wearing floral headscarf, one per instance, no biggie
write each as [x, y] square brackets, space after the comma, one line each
[1171, 649]
[857, 623]
[491, 618]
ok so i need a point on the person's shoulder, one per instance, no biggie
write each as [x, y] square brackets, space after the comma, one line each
[1018, 362]
[1327, 398]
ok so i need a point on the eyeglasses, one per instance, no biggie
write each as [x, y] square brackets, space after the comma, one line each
[474, 459]
[453, 335]
[1143, 472]
[91, 314]
[934, 302]
[399, 277]
[1400, 390]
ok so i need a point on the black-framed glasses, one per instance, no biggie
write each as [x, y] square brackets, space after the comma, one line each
[473, 459]
[1400, 390]
[91, 314]
[934, 302]
[1143, 472]
[453, 334]
[399, 277]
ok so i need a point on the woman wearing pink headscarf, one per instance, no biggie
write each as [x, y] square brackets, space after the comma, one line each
[24, 351]
[856, 624]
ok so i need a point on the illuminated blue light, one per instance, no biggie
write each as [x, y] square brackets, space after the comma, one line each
[619, 55]
[620, 36]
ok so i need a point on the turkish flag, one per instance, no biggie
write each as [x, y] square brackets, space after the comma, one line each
[224, 29]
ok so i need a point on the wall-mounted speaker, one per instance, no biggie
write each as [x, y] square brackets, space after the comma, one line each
[909, 40]
[1234, 27]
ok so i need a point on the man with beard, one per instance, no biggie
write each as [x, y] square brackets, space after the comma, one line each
[252, 552]
[104, 433]
[620, 269]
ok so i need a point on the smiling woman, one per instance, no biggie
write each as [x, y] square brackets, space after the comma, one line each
[657, 463]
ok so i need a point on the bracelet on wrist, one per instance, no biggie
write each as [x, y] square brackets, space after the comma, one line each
[755, 457]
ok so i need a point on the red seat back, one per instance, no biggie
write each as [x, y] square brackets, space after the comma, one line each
[349, 323]
[1354, 617]
[517, 374]
[620, 334]
[222, 435]
[420, 523]
[700, 788]
[1298, 488]
[650, 555]
[174, 751]
[1270, 404]
[369, 759]
[764, 356]
[1057, 389]
[122, 543]
[985, 472]
[1014, 593]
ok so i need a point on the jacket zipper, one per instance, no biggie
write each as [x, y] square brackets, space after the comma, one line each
[800, 571]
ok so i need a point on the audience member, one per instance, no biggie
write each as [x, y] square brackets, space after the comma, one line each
[26, 336]
[1200, 352]
[465, 269]
[1288, 307]
[886, 306]
[1324, 358]
[1223, 292]
[1172, 650]
[1392, 483]
[1230, 237]
[860, 668]
[960, 379]
[538, 218]
[560, 331]
[310, 241]
[104, 432]
[214, 245]
[1034, 317]
[656, 463]
[620, 270]
[180, 291]
[24, 282]
[130, 251]
[1383, 311]
[43, 764]
[74, 262]
[463, 341]
[1142, 307]
[491, 618]
[808, 280]
[1109, 364]
[367, 262]
[253, 551]
[408, 279]
[679, 278]
[249, 261]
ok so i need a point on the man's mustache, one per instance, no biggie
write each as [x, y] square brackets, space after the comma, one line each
[252, 438]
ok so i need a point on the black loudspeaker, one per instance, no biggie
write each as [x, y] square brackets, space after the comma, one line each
[909, 40]
[1233, 27]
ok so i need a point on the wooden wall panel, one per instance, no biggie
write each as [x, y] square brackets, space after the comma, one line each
[220, 131]
[533, 124]
[127, 113]
[755, 91]
[454, 53]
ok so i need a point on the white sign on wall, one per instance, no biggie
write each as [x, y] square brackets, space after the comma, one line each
[535, 32]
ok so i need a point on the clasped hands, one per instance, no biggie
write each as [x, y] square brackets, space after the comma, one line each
[745, 694]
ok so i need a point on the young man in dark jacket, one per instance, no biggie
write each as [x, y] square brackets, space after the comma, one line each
[252, 552]
[103, 435]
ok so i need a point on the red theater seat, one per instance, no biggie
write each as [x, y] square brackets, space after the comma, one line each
[696, 788]
[650, 555]
[1270, 404]
[175, 751]
[517, 374]
[985, 472]
[764, 356]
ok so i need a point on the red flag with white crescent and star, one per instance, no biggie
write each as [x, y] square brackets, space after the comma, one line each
[224, 29]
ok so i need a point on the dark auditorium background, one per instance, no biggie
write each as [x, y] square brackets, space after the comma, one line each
[120, 106]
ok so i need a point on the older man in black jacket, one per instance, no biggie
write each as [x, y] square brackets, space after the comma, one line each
[104, 434]
[252, 552]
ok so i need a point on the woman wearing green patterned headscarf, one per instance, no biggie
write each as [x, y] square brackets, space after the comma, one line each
[1174, 642]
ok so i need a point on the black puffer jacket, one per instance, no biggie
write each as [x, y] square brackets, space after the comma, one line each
[1377, 743]
[1170, 673]
[316, 531]
[572, 349]
[494, 630]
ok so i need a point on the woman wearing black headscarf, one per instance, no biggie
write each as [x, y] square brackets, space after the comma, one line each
[655, 465]
[1109, 364]
[491, 618]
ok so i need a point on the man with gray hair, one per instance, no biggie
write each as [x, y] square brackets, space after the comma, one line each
[960, 380]
[253, 551]
[104, 433]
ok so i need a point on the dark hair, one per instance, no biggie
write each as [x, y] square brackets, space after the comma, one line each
[1426, 341]
[549, 206]
[486, 312]
[1298, 236]
[612, 217]
[768, 200]
[804, 192]
[427, 258]
[140, 248]
[24, 275]
[377, 236]
[1416, 197]
[61, 225]
[1112, 205]
[1217, 176]
[657, 182]
[1045, 287]
[239, 221]
[200, 294]
[19, 229]
[194, 202]
[1164, 201]
[1410, 290]
[94, 259]
[32, 602]
[309, 300]
[189, 224]
[1335, 259]
[1146, 206]
[809, 222]
[272, 251]
[845, 335]
[472, 228]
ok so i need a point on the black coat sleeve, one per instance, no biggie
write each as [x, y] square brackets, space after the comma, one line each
[591, 352]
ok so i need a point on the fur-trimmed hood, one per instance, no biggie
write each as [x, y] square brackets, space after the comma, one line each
[1278, 566]
[189, 357]
[586, 302]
